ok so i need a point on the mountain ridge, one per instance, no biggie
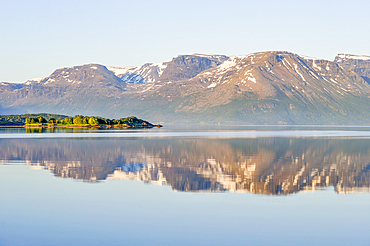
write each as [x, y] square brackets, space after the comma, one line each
[275, 87]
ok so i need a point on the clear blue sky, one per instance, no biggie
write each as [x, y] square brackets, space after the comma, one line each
[40, 36]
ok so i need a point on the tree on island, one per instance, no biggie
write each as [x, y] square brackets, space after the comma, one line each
[41, 120]
[67, 121]
[93, 120]
[38, 120]
[80, 120]
[20, 119]
[52, 121]
[29, 120]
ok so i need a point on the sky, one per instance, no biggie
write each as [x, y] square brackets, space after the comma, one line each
[40, 36]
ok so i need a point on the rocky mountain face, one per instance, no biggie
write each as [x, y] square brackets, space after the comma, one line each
[355, 63]
[65, 89]
[180, 68]
[294, 89]
[260, 88]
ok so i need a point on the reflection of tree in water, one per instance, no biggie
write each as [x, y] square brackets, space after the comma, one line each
[264, 166]
[35, 130]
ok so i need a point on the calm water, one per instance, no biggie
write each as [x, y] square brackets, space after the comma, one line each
[242, 185]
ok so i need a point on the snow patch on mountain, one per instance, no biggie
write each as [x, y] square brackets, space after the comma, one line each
[354, 57]
[133, 78]
[50, 80]
[161, 67]
[313, 74]
[212, 85]
[34, 80]
[252, 79]
[120, 70]
[309, 58]
[315, 66]
[227, 64]
[296, 69]
[148, 72]
[285, 64]
[37, 79]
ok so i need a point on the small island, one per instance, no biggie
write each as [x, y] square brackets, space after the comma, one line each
[77, 121]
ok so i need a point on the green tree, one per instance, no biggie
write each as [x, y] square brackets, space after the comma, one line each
[68, 121]
[102, 121]
[78, 120]
[93, 121]
[52, 121]
[85, 121]
[41, 120]
[32, 120]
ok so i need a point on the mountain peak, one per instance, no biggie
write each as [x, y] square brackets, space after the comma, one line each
[88, 73]
[180, 67]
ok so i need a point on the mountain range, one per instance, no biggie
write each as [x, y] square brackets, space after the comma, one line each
[276, 87]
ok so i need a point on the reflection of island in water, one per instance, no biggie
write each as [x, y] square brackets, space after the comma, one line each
[263, 166]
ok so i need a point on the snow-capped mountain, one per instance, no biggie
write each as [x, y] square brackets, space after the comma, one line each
[264, 87]
[185, 66]
[149, 72]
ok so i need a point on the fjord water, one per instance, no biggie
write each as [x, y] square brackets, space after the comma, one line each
[185, 186]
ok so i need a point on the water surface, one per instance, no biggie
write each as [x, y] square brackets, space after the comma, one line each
[279, 185]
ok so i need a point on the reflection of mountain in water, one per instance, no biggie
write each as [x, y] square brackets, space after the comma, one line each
[134, 168]
[263, 166]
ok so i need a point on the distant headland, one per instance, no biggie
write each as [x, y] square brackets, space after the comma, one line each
[78, 121]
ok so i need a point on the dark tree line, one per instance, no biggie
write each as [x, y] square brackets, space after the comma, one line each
[21, 118]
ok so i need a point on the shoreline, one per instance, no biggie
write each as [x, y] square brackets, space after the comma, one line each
[81, 126]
